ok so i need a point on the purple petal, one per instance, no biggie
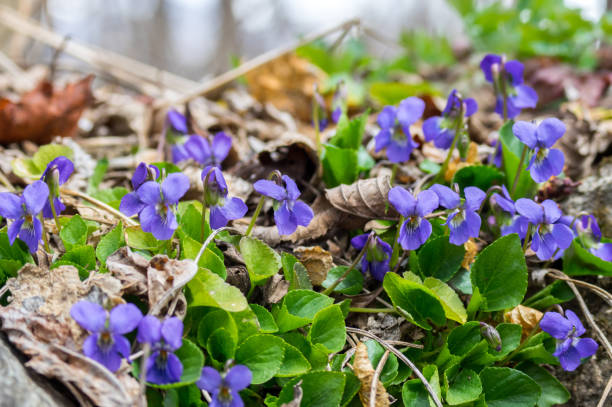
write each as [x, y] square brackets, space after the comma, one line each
[32, 235]
[234, 208]
[172, 332]
[399, 151]
[382, 140]
[336, 114]
[221, 145]
[552, 212]
[531, 210]
[198, 149]
[446, 196]
[541, 170]
[34, 196]
[525, 97]
[149, 217]
[236, 400]
[604, 251]
[556, 325]
[303, 213]
[239, 377]
[575, 321]
[57, 204]
[473, 198]
[563, 235]
[427, 201]
[131, 204]
[402, 201]
[526, 132]
[515, 69]
[570, 360]
[445, 139]
[270, 189]
[410, 110]
[451, 102]
[217, 217]
[89, 315]
[64, 166]
[359, 241]
[109, 358]
[506, 204]
[169, 373]
[285, 222]
[586, 347]
[179, 153]
[413, 238]
[124, 318]
[14, 229]
[161, 228]
[486, 65]
[549, 131]
[90, 347]
[293, 192]
[386, 118]
[556, 161]
[548, 246]
[122, 346]
[149, 330]
[10, 205]
[470, 106]
[149, 193]
[139, 176]
[174, 187]
[431, 128]
[210, 380]
[177, 121]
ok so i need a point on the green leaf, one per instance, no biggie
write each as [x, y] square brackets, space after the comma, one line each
[221, 345]
[555, 293]
[440, 259]
[261, 260]
[111, 196]
[192, 359]
[512, 149]
[299, 308]
[214, 320]
[351, 388]
[328, 329]
[414, 393]
[349, 133]
[365, 162]
[578, 261]
[417, 301]
[391, 93]
[17, 251]
[208, 289]
[265, 318]
[453, 307]
[506, 387]
[97, 176]
[375, 354]
[74, 233]
[351, 285]
[84, 256]
[136, 238]
[340, 165]
[295, 273]
[110, 243]
[320, 389]
[500, 273]
[462, 386]
[209, 259]
[481, 176]
[553, 392]
[263, 355]
[191, 223]
[294, 362]
[48, 153]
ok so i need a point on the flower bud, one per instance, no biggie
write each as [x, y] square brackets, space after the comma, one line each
[491, 336]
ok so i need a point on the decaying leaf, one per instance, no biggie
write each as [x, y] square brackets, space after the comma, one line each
[37, 321]
[366, 198]
[275, 289]
[362, 367]
[456, 163]
[44, 112]
[317, 261]
[471, 250]
[528, 318]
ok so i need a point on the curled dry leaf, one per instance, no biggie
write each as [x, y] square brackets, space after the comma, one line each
[362, 367]
[44, 112]
[366, 198]
[526, 317]
[37, 321]
[471, 250]
[317, 261]
[275, 289]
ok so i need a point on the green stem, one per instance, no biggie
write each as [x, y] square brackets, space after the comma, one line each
[44, 234]
[251, 289]
[255, 215]
[442, 172]
[393, 173]
[55, 218]
[373, 310]
[488, 195]
[507, 359]
[331, 288]
[203, 223]
[395, 253]
[518, 170]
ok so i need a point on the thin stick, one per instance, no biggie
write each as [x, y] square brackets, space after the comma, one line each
[559, 275]
[331, 288]
[605, 394]
[519, 169]
[377, 372]
[254, 63]
[403, 358]
[100, 204]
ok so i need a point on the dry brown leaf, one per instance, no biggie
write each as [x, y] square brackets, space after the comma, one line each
[362, 367]
[44, 112]
[366, 198]
[471, 250]
[317, 261]
[526, 317]
[275, 289]
[456, 163]
[288, 83]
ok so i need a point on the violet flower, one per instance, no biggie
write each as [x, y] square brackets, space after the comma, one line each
[398, 142]
[567, 330]
[545, 161]
[106, 344]
[289, 212]
[549, 234]
[320, 110]
[497, 157]
[377, 256]
[163, 366]
[207, 153]
[57, 173]
[416, 229]
[464, 221]
[514, 223]
[222, 208]
[177, 123]
[131, 203]
[224, 389]
[508, 76]
[24, 210]
[590, 236]
[441, 129]
[339, 101]
[154, 205]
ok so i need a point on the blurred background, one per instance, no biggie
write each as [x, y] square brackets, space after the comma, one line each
[201, 38]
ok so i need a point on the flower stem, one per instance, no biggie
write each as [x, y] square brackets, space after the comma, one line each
[373, 310]
[255, 215]
[55, 218]
[393, 173]
[331, 288]
[44, 234]
[488, 195]
[518, 170]
[395, 253]
[442, 172]
[507, 359]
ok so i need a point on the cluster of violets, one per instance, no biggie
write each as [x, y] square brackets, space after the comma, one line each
[108, 346]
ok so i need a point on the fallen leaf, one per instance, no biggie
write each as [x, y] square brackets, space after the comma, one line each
[471, 250]
[275, 289]
[317, 261]
[362, 367]
[528, 318]
[366, 198]
[457, 163]
[44, 112]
